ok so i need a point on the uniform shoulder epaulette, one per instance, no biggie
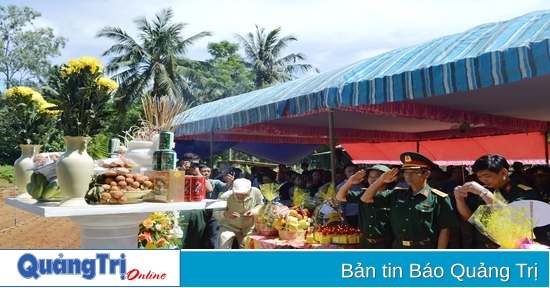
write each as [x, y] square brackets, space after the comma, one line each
[440, 193]
[524, 187]
[400, 188]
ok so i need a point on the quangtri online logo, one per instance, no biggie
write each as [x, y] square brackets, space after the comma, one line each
[30, 266]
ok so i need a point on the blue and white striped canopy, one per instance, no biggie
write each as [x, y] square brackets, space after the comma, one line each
[486, 55]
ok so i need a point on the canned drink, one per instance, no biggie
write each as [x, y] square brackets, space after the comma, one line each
[166, 140]
[199, 188]
[114, 145]
[157, 160]
[168, 160]
[187, 188]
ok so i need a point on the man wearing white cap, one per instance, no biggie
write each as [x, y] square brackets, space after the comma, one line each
[237, 219]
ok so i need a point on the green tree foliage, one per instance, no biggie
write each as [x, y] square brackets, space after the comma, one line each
[154, 64]
[9, 149]
[26, 49]
[264, 53]
[226, 72]
[120, 123]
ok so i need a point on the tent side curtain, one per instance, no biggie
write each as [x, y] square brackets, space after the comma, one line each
[527, 148]
[287, 154]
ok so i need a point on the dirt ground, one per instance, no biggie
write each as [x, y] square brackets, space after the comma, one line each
[20, 229]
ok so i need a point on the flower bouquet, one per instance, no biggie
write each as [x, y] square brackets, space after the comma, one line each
[34, 121]
[269, 211]
[81, 94]
[160, 231]
[33, 124]
[502, 224]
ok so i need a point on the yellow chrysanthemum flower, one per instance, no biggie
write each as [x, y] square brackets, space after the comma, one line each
[37, 97]
[92, 62]
[75, 65]
[44, 107]
[27, 92]
[21, 90]
[108, 83]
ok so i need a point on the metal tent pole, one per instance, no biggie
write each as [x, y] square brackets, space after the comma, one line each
[546, 147]
[332, 143]
[211, 149]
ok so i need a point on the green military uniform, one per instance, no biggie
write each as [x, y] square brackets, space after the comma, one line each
[544, 195]
[374, 223]
[544, 192]
[193, 223]
[512, 191]
[417, 219]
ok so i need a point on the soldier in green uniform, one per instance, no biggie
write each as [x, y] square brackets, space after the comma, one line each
[492, 171]
[541, 176]
[374, 223]
[420, 216]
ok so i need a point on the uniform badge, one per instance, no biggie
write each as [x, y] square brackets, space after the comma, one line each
[425, 193]
[408, 158]
[400, 201]
[508, 188]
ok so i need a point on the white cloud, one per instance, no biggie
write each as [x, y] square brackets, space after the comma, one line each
[331, 33]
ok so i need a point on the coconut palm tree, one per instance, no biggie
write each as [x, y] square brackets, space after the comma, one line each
[155, 64]
[264, 52]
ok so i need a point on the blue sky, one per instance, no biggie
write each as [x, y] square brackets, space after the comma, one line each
[332, 33]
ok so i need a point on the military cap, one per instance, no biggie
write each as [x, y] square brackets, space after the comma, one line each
[412, 160]
[541, 170]
[382, 168]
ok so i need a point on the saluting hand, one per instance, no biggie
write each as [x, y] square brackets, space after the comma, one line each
[357, 177]
[390, 176]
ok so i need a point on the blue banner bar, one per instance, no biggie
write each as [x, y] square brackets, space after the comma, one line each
[362, 268]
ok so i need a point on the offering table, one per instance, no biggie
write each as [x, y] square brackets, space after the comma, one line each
[108, 226]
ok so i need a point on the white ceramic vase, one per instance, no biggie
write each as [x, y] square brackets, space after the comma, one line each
[75, 171]
[141, 153]
[22, 176]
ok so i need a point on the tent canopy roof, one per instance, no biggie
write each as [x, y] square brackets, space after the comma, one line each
[490, 76]
[492, 79]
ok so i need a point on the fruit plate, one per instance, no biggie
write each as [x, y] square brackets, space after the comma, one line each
[135, 196]
[49, 200]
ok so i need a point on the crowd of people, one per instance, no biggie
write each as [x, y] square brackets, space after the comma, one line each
[416, 205]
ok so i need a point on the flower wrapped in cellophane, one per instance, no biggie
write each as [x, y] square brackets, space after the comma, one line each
[270, 210]
[300, 197]
[501, 223]
[326, 192]
[328, 212]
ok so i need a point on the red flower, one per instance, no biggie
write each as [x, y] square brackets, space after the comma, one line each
[146, 236]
